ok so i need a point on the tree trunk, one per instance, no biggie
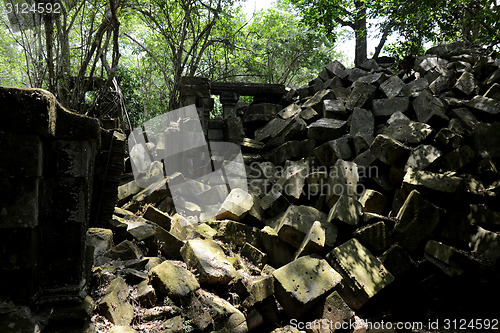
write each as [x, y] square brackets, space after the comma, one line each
[360, 54]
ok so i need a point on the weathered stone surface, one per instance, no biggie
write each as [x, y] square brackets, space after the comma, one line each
[316, 102]
[374, 236]
[361, 95]
[362, 123]
[386, 107]
[485, 243]
[298, 220]
[370, 65]
[290, 111]
[397, 260]
[449, 259]
[256, 256]
[237, 204]
[343, 181]
[332, 312]
[152, 194]
[274, 202]
[486, 142]
[466, 117]
[326, 129]
[392, 86]
[101, 239]
[125, 250]
[417, 219]
[173, 280]
[447, 139]
[408, 131]
[299, 284]
[373, 201]
[329, 152]
[414, 88]
[484, 104]
[388, 150]
[334, 82]
[157, 216]
[456, 159]
[335, 68]
[146, 294]
[363, 274]
[291, 150]
[259, 289]
[313, 242]
[309, 115]
[466, 84]
[207, 258]
[114, 305]
[239, 234]
[261, 112]
[427, 106]
[347, 209]
[276, 125]
[374, 78]
[356, 73]
[279, 253]
[442, 83]
[437, 182]
[334, 109]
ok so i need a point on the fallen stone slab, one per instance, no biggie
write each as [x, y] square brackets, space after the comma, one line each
[334, 109]
[256, 256]
[397, 260]
[450, 260]
[309, 115]
[300, 284]
[356, 73]
[343, 180]
[374, 236]
[430, 181]
[487, 105]
[347, 209]
[152, 194]
[466, 84]
[146, 294]
[259, 289]
[331, 313]
[417, 220]
[276, 125]
[316, 102]
[373, 201]
[422, 156]
[207, 258]
[173, 280]
[446, 139]
[290, 111]
[326, 129]
[274, 202]
[466, 117]
[114, 305]
[388, 106]
[122, 329]
[362, 122]
[238, 234]
[414, 88]
[332, 83]
[279, 252]
[155, 215]
[335, 68]
[363, 274]
[486, 140]
[125, 250]
[392, 86]
[237, 204]
[486, 244]
[408, 131]
[169, 245]
[388, 150]
[291, 150]
[314, 241]
[101, 239]
[443, 82]
[361, 95]
[329, 152]
[427, 106]
[456, 159]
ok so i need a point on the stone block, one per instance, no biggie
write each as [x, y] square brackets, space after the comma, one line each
[335, 68]
[493, 92]
[293, 179]
[329, 152]
[430, 181]
[125, 250]
[466, 117]
[316, 102]
[343, 180]
[427, 106]
[256, 256]
[466, 84]
[370, 65]
[19, 204]
[274, 202]
[292, 150]
[374, 236]
[279, 252]
[347, 209]
[414, 88]
[233, 129]
[173, 280]
[488, 106]
[361, 95]
[114, 305]
[392, 86]
[417, 220]
[23, 153]
[300, 284]
[146, 294]
[456, 159]
[408, 131]
[127, 190]
[388, 106]
[486, 140]
[298, 220]
[326, 129]
[334, 109]
[397, 260]
[276, 125]
[449, 259]
[207, 258]
[157, 216]
[373, 201]
[290, 111]
[356, 73]
[259, 289]
[309, 115]
[422, 156]
[362, 122]
[101, 239]
[364, 276]
[388, 150]
[237, 204]
[332, 312]
[446, 139]
[314, 241]
[486, 244]
[442, 83]
[334, 82]
[169, 244]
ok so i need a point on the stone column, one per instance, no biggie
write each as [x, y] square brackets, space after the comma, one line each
[229, 101]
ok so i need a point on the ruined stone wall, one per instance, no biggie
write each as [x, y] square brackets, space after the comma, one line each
[47, 162]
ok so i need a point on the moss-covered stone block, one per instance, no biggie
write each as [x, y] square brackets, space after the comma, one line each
[173, 280]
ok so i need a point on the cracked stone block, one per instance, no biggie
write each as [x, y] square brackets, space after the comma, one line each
[298, 220]
[361, 95]
[237, 204]
[313, 242]
[334, 310]
[173, 280]
[157, 216]
[335, 68]
[484, 104]
[388, 106]
[437, 182]
[114, 305]
[422, 156]
[388, 150]
[329, 152]
[417, 220]
[449, 259]
[466, 84]
[363, 274]
[373, 201]
[256, 256]
[207, 258]
[493, 92]
[343, 180]
[397, 260]
[347, 209]
[362, 122]
[427, 106]
[300, 284]
[374, 236]
[326, 129]
[334, 109]
[392, 86]
[408, 131]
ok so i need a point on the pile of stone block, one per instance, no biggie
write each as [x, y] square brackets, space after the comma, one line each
[368, 191]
